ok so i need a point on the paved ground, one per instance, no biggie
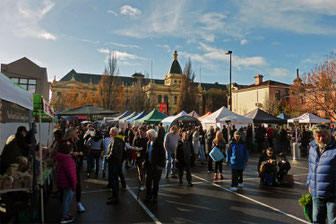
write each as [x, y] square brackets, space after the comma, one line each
[206, 202]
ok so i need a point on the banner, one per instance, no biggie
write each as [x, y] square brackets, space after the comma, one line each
[47, 109]
[11, 112]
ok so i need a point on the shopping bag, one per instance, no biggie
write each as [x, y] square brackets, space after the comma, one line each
[216, 154]
[288, 180]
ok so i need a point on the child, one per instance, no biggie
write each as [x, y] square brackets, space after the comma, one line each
[66, 178]
[284, 167]
[237, 155]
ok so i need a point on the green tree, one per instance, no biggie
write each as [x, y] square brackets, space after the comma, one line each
[215, 99]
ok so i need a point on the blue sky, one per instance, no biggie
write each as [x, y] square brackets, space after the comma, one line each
[268, 37]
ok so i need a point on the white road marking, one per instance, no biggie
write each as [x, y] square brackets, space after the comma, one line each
[253, 200]
[144, 207]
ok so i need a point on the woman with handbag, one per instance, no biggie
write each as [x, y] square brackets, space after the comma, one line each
[219, 142]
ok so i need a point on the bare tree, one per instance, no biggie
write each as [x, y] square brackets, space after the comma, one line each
[139, 100]
[188, 96]
[110, 92]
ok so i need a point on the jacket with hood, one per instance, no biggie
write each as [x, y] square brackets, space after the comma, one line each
[237, 155]
[66, 172]
[322, 171]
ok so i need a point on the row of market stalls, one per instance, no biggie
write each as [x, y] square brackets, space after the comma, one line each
[19, 107]
[221, 117]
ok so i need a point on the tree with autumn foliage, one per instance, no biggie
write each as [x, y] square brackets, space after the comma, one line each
[139, 100]
[110, 92]
[214, 99]
[316, 91]
[78, 95]
[188, 99]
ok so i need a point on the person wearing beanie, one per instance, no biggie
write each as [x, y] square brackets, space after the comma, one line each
[321, 178]
[237, 156]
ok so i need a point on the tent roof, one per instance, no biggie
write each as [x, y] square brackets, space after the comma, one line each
[260, 116]
[194, 114]
[125, 114]
[309, 118]
[284, 116]
[87, 110]
[128, 117]
[139, 116]
[170, 119]
[12, 93]
[223, 114]
[153, 117]
[204, 115]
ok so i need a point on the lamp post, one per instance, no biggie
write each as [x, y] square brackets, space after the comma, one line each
[230, 101]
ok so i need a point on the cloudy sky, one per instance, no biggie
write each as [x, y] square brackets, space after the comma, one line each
[269, 37]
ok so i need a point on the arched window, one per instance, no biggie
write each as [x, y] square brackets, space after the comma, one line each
[165, 99]
[159, 99]
[175, 99]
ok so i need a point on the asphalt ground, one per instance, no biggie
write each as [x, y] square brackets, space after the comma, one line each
[208, 201]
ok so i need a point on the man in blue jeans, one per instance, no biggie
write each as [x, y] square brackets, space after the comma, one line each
[170, 144]
[321, 179]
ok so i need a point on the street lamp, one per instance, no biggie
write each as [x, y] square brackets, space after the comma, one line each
[230, 101]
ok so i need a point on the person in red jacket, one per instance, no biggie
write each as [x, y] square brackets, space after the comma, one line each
[66, 178]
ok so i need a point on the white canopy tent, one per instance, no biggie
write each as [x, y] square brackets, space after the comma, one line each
[222, 115]
[122, 122]
[14, 94]
[308, 118]
[170, 119]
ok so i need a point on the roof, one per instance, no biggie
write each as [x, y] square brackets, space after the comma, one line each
[95, 78]
[128, 81]
[175, 68]
[87, 110]
[260, 116]
[266, 83]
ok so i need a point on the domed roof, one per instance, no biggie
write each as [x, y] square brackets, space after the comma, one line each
[175, 66]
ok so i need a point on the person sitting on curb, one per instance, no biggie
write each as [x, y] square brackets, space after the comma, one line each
[267, 165]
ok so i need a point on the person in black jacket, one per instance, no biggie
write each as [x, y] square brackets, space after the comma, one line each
[183, 158]
[267, 164]
[115, 159]
[154, 164]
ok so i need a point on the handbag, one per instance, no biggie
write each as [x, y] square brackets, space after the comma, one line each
[216, 155]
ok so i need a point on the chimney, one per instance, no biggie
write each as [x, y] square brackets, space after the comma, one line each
[258, 79]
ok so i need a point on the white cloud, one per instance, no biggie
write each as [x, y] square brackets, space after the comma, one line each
[22, 18]
[121, 56]
[124, 45]
[112, 12]
[165, 46]
[243, 42]
[129, 11]
[279, 73]
[298, 16]
[213, 53]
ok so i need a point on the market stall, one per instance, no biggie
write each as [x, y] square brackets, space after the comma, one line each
[154, 117]
[137, 117]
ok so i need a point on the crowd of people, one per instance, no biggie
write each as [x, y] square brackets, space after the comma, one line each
[153, 150]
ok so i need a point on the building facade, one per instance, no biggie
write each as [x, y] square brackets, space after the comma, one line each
[161, 91]
[28, 75]
[258, 95]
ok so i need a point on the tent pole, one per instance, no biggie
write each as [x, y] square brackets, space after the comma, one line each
[41, 168]
[252, 132]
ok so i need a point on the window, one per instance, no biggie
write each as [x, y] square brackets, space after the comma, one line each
[27, 84]
[277, 95]
[175, 99]
[58, 93]
[175, 81]
[165, 99]
[159, 99]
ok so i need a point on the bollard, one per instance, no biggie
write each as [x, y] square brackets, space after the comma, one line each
[296, 151]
